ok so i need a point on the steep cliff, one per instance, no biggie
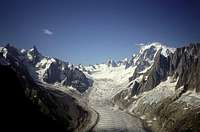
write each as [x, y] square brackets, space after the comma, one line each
[168, 93]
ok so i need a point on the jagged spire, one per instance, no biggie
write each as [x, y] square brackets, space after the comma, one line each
[111, 62]
[34, 47]
[7, 45]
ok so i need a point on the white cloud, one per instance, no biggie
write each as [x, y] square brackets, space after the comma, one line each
[140, 44]
[47, 32]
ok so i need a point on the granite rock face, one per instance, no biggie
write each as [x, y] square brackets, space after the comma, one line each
[146, 58]
[53, 73]
[157, 73]
[184, 64]
[77, 79]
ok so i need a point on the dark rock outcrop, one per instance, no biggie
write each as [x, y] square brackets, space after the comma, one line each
[136, 88]
[53, 73]
[111, 63]
[185, 64]
[77, 79]
[35, 55]
[172, 117]
[67, 76]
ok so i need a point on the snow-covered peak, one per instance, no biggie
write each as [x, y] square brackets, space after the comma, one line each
[23, 51]
[134, 55]
[4, 51]
[156, 46]
[125, 60]
[143, 59]
[143, 46]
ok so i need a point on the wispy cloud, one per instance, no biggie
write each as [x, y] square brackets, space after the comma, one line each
[140, 44]
[47, 32]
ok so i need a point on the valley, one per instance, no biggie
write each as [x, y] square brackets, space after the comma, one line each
[111, 118]
[158, 87]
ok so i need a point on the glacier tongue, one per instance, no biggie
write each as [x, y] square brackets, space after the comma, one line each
[108, 81]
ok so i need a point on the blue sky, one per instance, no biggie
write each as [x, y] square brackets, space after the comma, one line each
[91, 31]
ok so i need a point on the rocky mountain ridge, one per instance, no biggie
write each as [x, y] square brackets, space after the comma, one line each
[142, 60]
[167, 92]
[49, 70]
[182, 64]
[33, 107]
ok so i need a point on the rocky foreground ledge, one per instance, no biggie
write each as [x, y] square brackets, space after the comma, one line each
[28, 106]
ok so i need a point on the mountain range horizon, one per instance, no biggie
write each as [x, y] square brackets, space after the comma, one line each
[67, 29]
[135, 49]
